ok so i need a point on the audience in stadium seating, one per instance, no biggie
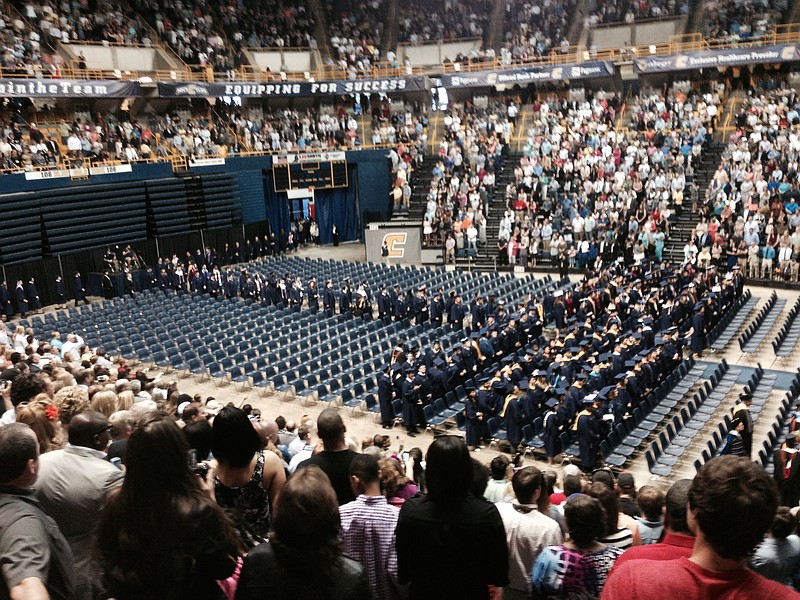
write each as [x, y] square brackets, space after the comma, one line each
[531, 29]
[610, 11]
[356, 31]
[81, 24]
[22, 51]
[450, 20]
[118, 137]
[464, 176]
[214, 35]
[750, 215]
[580, 184]
[730, 21]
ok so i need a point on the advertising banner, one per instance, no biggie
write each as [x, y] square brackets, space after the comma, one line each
[404, 243]
[290, 88]
[532, 74]
[727, 57]
[68, 88]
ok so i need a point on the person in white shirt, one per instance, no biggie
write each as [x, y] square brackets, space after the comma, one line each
[73, 344]
[528, 531]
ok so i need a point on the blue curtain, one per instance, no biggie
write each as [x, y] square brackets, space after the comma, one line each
[277, 206]
[339, 206]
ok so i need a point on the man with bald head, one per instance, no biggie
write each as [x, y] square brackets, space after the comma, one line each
[335, 457]
[36, 560]
[73, 486]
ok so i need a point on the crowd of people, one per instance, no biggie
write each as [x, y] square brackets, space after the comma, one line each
[610, 11]
[531, 30]
[584, 192]
[212, 35]
[220, 132]
[446, 21]
[356, 31]
[750, 209]
[738, 22]
[116, 485]
[470, 156]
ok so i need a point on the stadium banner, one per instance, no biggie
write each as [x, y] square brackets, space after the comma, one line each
[404, 243]
[727, 57]
[68, 88]
[587, 70]
[290, 88]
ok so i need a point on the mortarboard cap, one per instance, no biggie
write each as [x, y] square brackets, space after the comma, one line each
[551, 403]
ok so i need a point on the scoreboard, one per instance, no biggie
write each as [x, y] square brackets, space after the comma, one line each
[317, 174]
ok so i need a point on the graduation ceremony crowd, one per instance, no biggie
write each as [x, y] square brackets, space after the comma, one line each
[221, 502]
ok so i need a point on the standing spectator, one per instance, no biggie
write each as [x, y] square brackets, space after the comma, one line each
[678, 539]
[304, 558]
[778, 556]
[37, 561]
[732, 503]
[463, 534]
[162, 535]
[368, 525]
[73, 485]
[247, 480]
[579, 567]
[335, 457]
[528, 531]
[651, 523]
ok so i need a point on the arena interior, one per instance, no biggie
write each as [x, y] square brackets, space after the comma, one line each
[565, 231]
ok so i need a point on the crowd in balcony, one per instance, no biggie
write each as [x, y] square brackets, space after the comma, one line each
[750, 209]
[422, 21]
[731, 21]
[585, 194]
[532, 30]
[356, 31]
[215, 35]
[610, 11]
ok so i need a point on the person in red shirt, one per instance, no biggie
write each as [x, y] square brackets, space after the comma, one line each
[678, 539]
[732, 502]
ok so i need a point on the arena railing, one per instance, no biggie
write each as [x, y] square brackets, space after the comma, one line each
[781, 34]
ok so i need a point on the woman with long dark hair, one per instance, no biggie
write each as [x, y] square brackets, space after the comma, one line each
[162, 536]
[247, 480]
[305, 559]
[463, 535]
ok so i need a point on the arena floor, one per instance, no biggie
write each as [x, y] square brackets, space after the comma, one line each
[360, 426]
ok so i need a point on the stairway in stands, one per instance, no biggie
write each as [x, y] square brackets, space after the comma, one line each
[488, 252]
[682, 225]
[420, 184]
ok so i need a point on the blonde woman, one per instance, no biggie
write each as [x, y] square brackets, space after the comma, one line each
[42, 416]
[104, 402]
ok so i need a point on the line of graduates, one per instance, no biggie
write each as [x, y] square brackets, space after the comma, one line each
[25, 299]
